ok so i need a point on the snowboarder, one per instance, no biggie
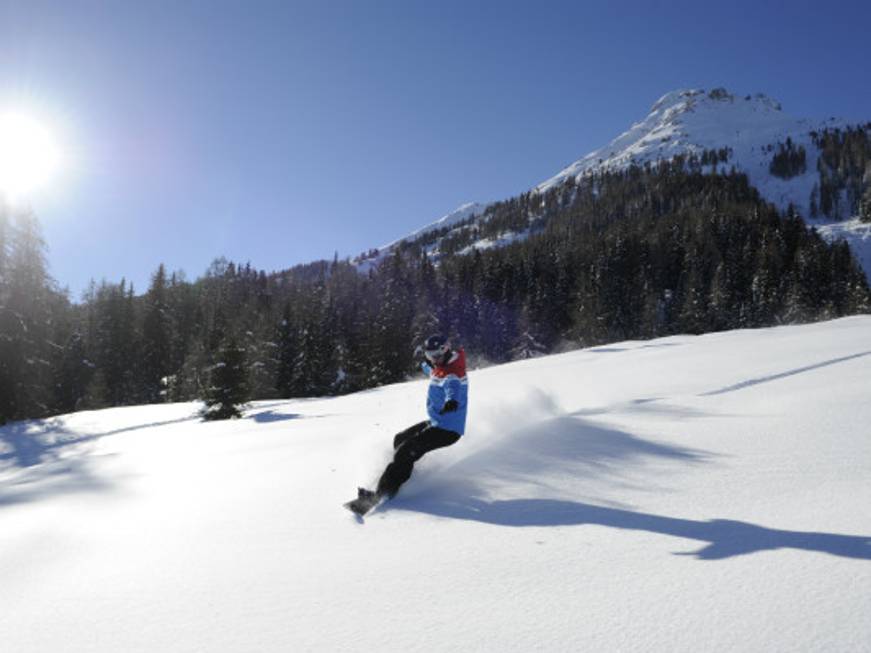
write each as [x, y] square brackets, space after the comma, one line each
[446, 405]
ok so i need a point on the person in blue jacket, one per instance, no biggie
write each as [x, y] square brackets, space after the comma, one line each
[446, 405]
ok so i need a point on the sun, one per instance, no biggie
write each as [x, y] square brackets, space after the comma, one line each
[29, 156]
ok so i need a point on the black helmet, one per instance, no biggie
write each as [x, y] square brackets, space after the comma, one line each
[436, 349]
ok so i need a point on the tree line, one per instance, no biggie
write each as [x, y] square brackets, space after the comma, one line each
[642, 253]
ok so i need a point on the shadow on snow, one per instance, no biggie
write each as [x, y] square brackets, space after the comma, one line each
[724, 538]
[783, 375]
[270, 416]
[32, 442]
[574, 447]
[39, 458]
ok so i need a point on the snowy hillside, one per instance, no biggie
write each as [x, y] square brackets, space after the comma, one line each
[462, 212]
[692, 121]
[685, 494]
[688, 122]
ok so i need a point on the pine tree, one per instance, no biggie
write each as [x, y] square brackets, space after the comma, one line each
[865, 206]
[286, 338]
[116, 343]
[186, 358]
[27, 306]
[156, 338]
[228, 388]
[72, 372]
[391, 344]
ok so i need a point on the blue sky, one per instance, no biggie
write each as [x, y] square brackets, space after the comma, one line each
[282, 132]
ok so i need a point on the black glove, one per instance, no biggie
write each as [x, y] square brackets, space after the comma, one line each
[450, 406]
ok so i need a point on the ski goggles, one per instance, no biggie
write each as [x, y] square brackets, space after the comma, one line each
[435, 356]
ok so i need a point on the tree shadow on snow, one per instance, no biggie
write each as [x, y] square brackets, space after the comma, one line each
[724, 538]
[566, 446]
[33, 463]
[40, 458]
[575, 448]
[30, 443]
[782, 375]
[270, 416]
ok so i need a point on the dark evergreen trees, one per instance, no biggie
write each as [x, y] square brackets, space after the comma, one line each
[390, 337]
[844, 166]
[156, 339]
[117, 380]
[30, 313]
[228, 387]
[286, 356]
[865, 205]
[789, 160]
[72, 375]
[638, 253]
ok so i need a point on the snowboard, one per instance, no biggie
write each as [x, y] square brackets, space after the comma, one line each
[366, 500]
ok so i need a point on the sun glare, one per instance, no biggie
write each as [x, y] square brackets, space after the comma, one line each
[28, 155]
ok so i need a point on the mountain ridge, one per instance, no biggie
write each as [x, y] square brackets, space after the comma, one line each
[747, 130]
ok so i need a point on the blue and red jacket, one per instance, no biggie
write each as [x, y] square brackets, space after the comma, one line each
[448, 382]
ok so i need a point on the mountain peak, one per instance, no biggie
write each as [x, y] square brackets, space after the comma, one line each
[690, 121]
[684, 100]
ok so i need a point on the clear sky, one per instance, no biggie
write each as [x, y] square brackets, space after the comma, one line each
[282, 132]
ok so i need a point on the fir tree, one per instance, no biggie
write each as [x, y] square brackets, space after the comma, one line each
[286, 337]
[865, 205]
[27, 308]
[156, 338]
[228, 387]
[73, 372]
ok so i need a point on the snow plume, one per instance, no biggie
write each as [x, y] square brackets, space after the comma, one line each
[494, 423]
[531, 448]
[500, 419]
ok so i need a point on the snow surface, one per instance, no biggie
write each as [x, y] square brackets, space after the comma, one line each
[704, 493]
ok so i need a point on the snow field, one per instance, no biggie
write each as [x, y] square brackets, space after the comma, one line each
[683, 494]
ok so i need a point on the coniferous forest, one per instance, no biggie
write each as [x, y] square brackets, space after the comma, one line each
[641, 253]
[844, 168]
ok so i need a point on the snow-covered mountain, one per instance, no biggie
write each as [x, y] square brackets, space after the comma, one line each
[461, 213]
[693, 121]
[686, 122]
[689, 494]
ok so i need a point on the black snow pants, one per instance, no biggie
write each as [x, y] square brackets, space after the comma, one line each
[409, 447]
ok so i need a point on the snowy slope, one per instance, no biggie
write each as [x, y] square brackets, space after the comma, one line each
[462, 212]
[691, 121]
[685, 494]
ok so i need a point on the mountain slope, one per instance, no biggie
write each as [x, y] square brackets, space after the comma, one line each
[692, 121]
[747, 130]
[460, 214]
[682, 494]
